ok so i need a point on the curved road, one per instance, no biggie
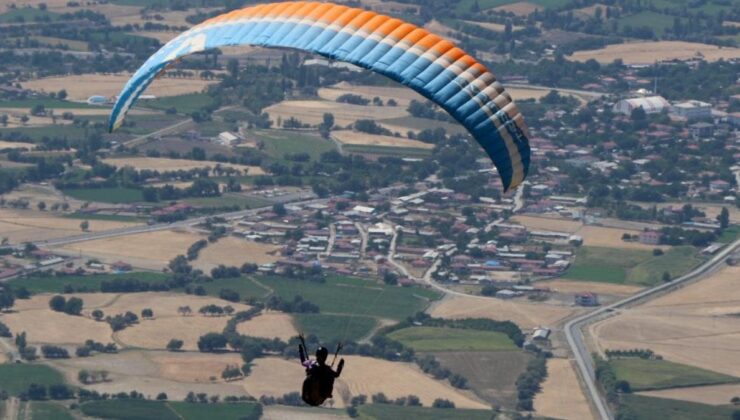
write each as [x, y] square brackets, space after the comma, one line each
[574, 333]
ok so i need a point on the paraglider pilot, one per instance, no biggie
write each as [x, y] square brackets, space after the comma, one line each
[319, 382]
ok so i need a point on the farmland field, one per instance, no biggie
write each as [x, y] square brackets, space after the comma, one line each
[625, 266]
[425, 339]
[648, 408]
[116, 195]
[49, 410]
[269, 324]
[712, 395]
[17, 377]
[51, 284]
[390, 411]
[386, 150]
[561, 395]
[129, 410]
[280, 142]
[333, 328]
[165, 164]
[661, 374]
[354, 138]
[649, 52]
[224, 411]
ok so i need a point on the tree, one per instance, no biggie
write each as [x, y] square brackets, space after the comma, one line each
[228, 294]
[666, 276]
[724, 218]
[6, 298]
[57, 303]
[60, 392]
[98, 314]
[83, 376]
[174, 345]
[147, 313]
[41, 206]
[443, 403]
[36, 392]
[85, 225]
[62, 94]
[279, 209]
[212, 342]
[73, 306]
[161, 396]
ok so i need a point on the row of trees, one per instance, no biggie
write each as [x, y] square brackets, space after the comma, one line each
[71, 306]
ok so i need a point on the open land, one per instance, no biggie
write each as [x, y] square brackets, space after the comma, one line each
[712, 395]
[696, 325]
[362, 375]
[151, 250]
[424, 339]
[443, 30]
[16, 145]
[81, 87]
[649, 52]
[525, 315]
[548, 223]
[269, 325]
[561, 396]
[312, 112]
[566, 286]
[357, 138]
[165, 164]
[612, 238]
[232, 251]
[401, 94]
[31, 225]
[521, 8]
[648, 374]
[660, 408]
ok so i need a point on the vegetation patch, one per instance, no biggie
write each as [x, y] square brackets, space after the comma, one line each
[16, 378]
[644, 375]
[106, 195]
[39, 283]
[183, 104]
[392, 411]
[191, 411]
[647, 408]
[278, 144]
[675, 261]
[425, 339]
[129, 410]
[332, 327]
[49, 410]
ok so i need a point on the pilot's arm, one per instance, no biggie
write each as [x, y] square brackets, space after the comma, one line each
[339, 368]
[302, 353]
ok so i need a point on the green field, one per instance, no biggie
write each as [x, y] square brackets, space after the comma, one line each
[15, 378]
[147, 410]
[649, 408]
[423, 339]
[27, 14]
[49, 410]
[280, 142]
[390, 411]
[190, 411]
[184, 104]
[731, 233]
[129, 410]
[115, 195]
[47, 102]
[658, 22]
[646, 375]
[628, 266]
[109, 217]
[38, 284]
[331, 328]
[36, 134]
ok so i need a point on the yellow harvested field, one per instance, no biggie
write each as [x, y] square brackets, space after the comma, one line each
[41, 301]
[401, 94]
[161, 36]
[696, 325]
[44, 326]
[80, 87]
[152, 372]
[521, 8]
[283, 412]
[712, 395]
[193, 367]
[548, 223]
[566, 286]
[650, 52]
[232, 251]
[354, 137]
[612, 238]
[151, 250]
[711, 210]
[312, 112]
[269, 325]
[3, 358]
[362, 375]
[171, 18]
[34, 193]
[75, 111]
[561, 396]
[165, 164]
[526, 315]
[590, 11]
[16, 145]
[32, 225]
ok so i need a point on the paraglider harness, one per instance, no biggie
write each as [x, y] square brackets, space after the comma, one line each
[319, 382]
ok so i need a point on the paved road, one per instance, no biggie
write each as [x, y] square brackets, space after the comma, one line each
[574, 333]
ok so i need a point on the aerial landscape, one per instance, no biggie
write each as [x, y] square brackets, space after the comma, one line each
[199, 197]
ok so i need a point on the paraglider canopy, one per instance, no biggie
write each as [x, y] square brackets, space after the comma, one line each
[425, 62]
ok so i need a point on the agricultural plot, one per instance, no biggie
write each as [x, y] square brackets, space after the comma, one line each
[525, 315]
[491, 375]
[399, 93]
[4, 145]
[649, 52]
[49, 410]
[623, 266]
[312, 112]
[646, 375]
[115, 195]
[696, 325]
[428, 339]
[647, 408]
[151, 250]
[165, 164]
[355, 138]
[612, 238]
[81, 87]
[278, 143]
[270, 325]
[51, 284]
[224, 411]
[712, 395]
[332, 328]
[389, 411]
[129, 410]
[561, 395]
[17, 377]
[232, 251]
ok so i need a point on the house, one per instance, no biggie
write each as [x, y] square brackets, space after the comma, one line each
[121, 266]
[587, 299]
[507, 294]
[692, 110]
[650, 237]
[701, 130]
[228, 138]
[719, 185]
[541, 333]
